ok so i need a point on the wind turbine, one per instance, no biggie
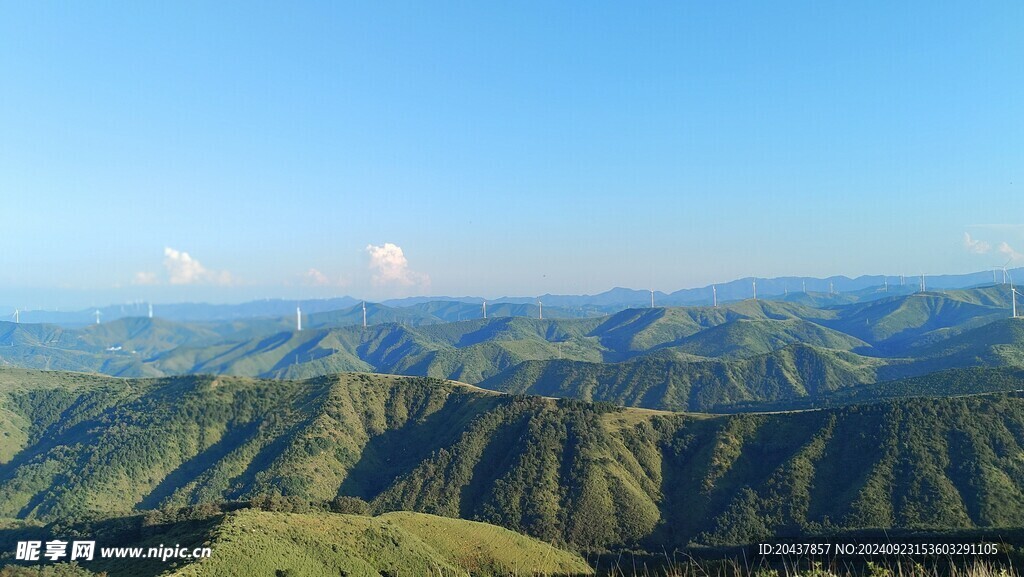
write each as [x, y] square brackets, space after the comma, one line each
[652, 298]
[17, 319]
[1013, 296]
[753, 283]
[485, 309]
[714, 295]
[97, 313]
[803, 283]
[298, 319]
[885, 283]
[150, 310]
[364, 314]
[831, 289]
[923, 288]
[540, 314]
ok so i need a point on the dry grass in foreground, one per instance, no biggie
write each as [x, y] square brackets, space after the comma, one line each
[897, 568]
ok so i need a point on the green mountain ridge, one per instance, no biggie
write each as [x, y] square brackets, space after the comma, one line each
[663, 382]
[685, 358]
[587, 475]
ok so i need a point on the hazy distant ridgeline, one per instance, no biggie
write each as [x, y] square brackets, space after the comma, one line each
[679, 358]
[805, 290]
[569, 471]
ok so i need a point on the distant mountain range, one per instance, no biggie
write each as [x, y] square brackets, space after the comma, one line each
[807, 290]
[646, 428]
[741, 355]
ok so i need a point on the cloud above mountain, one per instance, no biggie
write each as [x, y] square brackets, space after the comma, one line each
[976, 246]
[316, 278]
[1009, 252]
[144, 278]
[389, 267]
[181, 268]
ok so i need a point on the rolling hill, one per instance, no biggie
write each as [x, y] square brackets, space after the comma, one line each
[692, 358]
[251, 541]
[661, 381]
[587, 475]
[896, 323]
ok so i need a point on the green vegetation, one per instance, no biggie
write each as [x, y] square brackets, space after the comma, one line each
[591, 476]
[249, 541]
[899, 413]
[739, 356]
[260, 543]
[662, 381]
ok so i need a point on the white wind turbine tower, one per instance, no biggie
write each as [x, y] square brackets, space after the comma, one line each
[652, 298]
[485, 309]
[150, 310]
[996, 269]
[831, 289]
[364, 314]
[298, 319]
[753, 283]
[97, 313]
[923, 287]
[1013, 296]
[17, 319]
[540, 309]
[714, 296]
[803, 284]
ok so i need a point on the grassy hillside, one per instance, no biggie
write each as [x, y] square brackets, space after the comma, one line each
[997, 343]
[892, 324]
[951, 382]
[587, 475]
[315, 543]
[750, 337]
[636, 331]
[468, 350]
[256, 542]
[143, 336]
[664, 382]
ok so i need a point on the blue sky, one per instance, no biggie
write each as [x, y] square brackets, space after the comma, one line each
[383, 149]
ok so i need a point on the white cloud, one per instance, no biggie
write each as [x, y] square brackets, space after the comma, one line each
[1011, 254]
[145, 278]
[183, 269]
[390, 267]
[314, 277]
[976, 246]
